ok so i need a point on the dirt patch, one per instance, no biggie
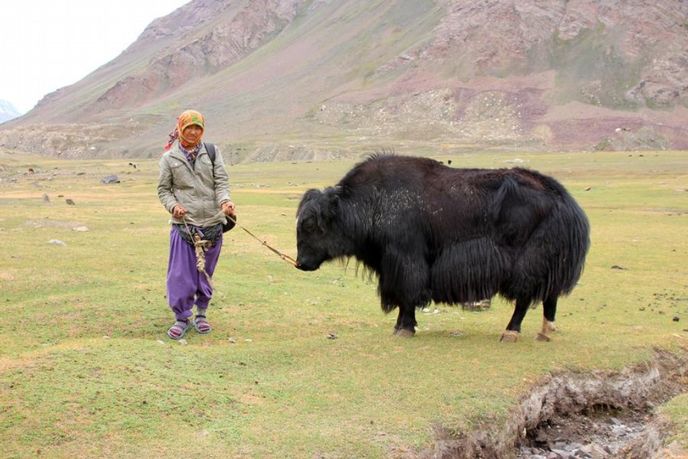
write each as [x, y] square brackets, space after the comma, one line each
[580, 415]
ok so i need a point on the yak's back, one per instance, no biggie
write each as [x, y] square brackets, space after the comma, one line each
[389, 170]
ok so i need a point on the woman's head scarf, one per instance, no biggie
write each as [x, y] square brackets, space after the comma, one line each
[186, 119]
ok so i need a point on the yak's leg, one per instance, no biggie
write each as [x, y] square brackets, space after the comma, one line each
[513, 330]
[406, 322]
[549, 307]
[404, 282]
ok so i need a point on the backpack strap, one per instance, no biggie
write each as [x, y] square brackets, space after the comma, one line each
[210, 148]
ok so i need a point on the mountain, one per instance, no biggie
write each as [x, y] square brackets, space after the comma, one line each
[309, 79]
[7, 111]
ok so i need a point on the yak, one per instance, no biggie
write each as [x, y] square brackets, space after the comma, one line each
[449, 235]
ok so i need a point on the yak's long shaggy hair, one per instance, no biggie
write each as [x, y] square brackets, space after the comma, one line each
[450, 235]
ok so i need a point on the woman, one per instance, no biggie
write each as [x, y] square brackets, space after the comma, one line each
[194, 188]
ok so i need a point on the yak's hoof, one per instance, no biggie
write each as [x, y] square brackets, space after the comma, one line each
[548, 327]
[509, 336]
[542, 337]
[404, 333]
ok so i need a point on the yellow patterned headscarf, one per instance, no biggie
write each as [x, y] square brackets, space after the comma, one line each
[186, 119]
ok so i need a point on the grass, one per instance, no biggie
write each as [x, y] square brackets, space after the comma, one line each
[86, 368]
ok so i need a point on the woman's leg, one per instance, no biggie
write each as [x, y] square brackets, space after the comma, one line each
[182, 277]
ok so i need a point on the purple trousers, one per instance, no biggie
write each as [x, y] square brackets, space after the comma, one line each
[185, 285]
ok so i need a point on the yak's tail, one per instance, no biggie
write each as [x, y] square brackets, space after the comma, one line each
[565, 239]
[553, 257]
[575, 244]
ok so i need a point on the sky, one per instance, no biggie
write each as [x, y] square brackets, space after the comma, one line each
[49, 44]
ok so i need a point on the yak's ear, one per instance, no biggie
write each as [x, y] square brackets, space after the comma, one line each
[332, 195]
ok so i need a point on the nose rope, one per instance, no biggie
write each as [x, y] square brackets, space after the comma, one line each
[283, 256]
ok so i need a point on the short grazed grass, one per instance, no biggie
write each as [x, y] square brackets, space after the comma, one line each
[86, 369]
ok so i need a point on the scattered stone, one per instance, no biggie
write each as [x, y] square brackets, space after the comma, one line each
[676, 319]
[70, 202]
[109, 179]
[331, 336]
[80, 229]
[132, 165]
[183, 342]
[618, 267]
[232, 340]
[56, 242]
[46, 198]
[481, 305]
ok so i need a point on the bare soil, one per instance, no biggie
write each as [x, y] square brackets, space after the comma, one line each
[579, 415]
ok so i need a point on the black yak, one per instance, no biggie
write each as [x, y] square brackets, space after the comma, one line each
[435, 233]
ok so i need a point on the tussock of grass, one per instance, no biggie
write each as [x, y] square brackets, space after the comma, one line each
[86, 369]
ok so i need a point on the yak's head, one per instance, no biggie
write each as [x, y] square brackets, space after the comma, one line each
[318, 235]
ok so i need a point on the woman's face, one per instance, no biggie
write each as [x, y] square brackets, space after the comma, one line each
[193, 133]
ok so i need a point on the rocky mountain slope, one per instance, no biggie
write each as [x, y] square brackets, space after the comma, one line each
[304, 79]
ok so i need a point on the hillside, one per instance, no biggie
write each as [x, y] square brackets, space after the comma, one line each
[309, 79]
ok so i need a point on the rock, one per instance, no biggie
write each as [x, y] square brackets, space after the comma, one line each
[70, 202]
[56, 242]
[676, 319]
[594, 451]
[109, 179]
[80, 229]
[481, 305]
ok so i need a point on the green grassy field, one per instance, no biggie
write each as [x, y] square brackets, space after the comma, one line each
[86, 369]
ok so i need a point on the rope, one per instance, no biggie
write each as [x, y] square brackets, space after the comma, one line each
[200, 246]
[283, 256]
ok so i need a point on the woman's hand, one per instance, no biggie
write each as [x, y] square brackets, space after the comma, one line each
[179, 211]
[229, 208]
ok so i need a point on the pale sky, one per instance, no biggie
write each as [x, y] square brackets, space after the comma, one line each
[49, 44]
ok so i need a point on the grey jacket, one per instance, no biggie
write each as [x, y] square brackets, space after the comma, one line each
[200, 190]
